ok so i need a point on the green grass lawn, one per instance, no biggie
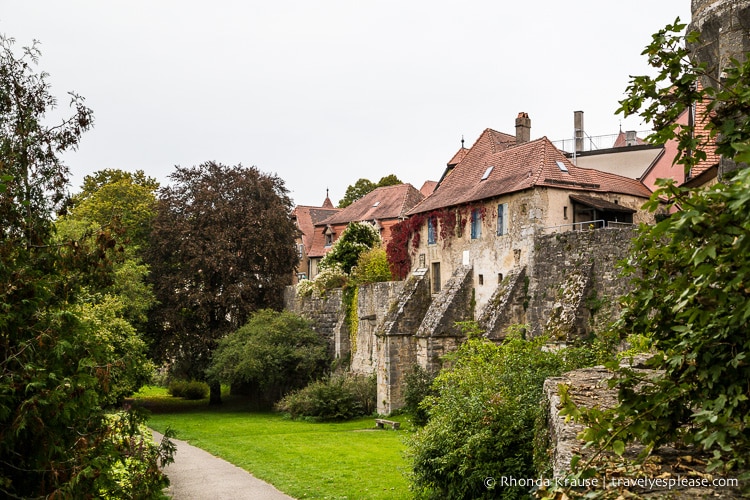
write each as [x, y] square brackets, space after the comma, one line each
[344, 460]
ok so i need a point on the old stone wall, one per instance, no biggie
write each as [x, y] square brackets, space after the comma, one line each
[326, 313]
[574, 281]
[328, 316]
[373, 303]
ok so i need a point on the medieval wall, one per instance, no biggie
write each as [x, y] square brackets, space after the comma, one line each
[574, 281]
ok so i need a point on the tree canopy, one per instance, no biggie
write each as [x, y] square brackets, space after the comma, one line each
[61, 368]
[364, 186]
[222, 246]
[358, 237]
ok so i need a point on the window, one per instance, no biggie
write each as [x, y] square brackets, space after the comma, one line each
[329, 240]
[300, 250]
[476, 224]
[481, 279]
[502, 219]
[435, 275]
[565, 213]
[561, 166]
[487, 173]
[431, 231]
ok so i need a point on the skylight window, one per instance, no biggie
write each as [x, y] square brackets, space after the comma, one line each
[376, 204]
[487, 172]
[562, 166]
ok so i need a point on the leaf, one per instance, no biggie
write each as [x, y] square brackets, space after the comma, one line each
[618, 447]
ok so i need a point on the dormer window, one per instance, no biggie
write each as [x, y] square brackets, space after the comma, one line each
[329, 235]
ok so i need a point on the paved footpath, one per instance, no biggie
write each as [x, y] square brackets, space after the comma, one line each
[198, 475]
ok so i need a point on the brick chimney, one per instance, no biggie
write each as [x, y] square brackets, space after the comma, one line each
[523, 128]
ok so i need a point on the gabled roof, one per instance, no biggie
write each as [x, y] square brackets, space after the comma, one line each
[621, 141]
[516, 168]
[427, 188]
[388, 202]
[307, 217]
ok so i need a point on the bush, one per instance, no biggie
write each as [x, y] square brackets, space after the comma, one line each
[192, 389]
[481, 420]
[338, 397]
[274, 353]
[417, 386]
[372, 267]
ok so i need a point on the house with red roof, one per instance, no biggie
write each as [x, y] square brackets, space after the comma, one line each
[306, 217]
[383, 208]
[496, 195]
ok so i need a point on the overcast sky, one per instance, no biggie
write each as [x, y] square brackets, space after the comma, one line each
[322, 93]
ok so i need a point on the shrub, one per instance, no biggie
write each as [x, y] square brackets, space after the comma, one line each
[338, 397]
[417, 386]
[275, 352]
[481, 420]
[356, 238]
[372, 267]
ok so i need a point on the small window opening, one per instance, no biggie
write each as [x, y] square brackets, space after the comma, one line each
[499, 278]
[481, 279]
[565, 213]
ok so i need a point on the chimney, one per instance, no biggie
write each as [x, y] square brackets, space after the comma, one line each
[578, 130]
[523, 128]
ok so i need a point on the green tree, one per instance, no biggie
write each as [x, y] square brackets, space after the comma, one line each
[690, 274]
[57, 372]
[222, 246]
[274, 353]
[118, 198]
[364, 186]
[372, 267]
[358, 237]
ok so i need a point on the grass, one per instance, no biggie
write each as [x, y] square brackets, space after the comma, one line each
[340, 460]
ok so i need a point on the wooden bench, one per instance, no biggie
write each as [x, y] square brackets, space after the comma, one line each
[380, 423]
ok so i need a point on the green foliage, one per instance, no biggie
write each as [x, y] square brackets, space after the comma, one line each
[417, 386]
[188, 389]
[481, 420]
[221, 246]
[275, 352]
[63, 360]
[340, 396]
[358, 237]
[690, 303]
[372, 267]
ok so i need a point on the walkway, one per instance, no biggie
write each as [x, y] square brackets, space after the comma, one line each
[198, 475]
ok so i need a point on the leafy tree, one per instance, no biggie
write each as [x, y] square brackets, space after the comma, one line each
[56, 371]
[358, 237]
[275, 352]
[118, 198]
[123, 204]
[690, 274]
[372, 267]
[365, 186]
[222, 246]
[356, 191]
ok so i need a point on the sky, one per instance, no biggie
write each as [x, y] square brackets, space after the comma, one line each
[323, 93]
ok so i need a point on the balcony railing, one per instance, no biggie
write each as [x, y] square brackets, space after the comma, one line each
[589, 225]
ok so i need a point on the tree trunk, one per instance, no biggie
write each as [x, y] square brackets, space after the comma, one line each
[215, 393]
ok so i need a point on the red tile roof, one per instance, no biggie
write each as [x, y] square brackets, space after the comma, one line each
[388, 202]
[516, 167]
[307, 217]
[427, 188]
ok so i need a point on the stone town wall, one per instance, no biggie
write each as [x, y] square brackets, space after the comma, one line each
[328, 315]
[575, 282]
